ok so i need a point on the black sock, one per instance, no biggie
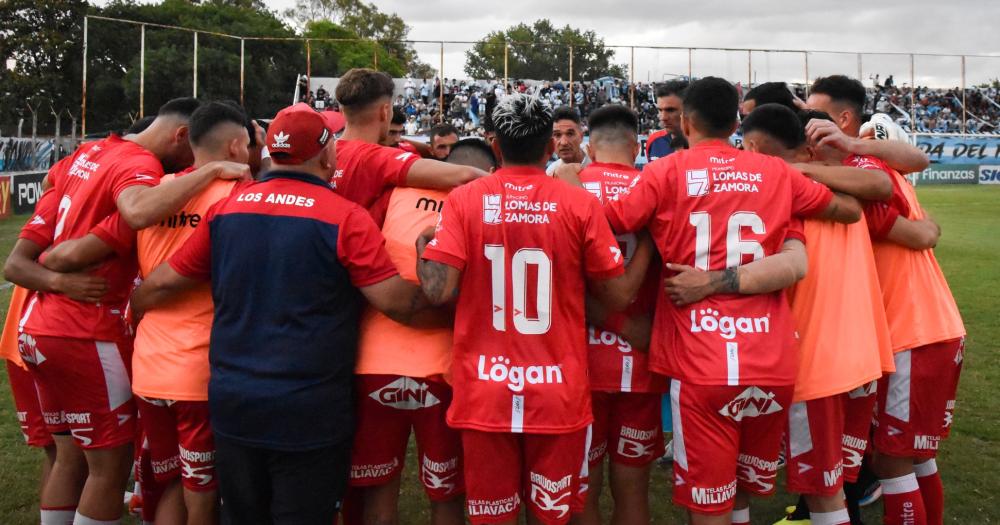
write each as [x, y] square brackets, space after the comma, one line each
[801, 510]
[853, 493]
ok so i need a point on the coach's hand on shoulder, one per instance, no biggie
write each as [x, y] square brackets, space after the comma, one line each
[80, 286]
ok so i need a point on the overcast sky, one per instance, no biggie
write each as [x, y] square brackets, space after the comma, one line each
[907, 26]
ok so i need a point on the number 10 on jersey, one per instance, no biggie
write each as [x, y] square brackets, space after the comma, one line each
[519, 263]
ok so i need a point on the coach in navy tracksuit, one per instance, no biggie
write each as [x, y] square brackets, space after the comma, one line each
[291, 263]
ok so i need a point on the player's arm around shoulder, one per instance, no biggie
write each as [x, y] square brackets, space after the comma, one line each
[434, 174]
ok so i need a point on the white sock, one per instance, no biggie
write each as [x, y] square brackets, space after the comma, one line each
[837, 517]
[741, 515]
[927, 468]
[900, 485]
[80, 519]
[58, 517]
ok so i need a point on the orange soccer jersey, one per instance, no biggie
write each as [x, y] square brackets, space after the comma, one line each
[170, 360]
[388, 347]
[844, 337]
[918, 302]
[11, 328]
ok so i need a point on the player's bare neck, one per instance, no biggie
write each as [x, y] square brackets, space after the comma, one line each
[363, 132]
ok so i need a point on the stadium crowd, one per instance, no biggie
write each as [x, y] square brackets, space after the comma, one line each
[936, 110]
[252, 321]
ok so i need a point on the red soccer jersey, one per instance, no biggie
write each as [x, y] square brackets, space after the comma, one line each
[365, 170]
[526, 244]
[715, 207]
[614, 365]
[88, 188]
[880, 216]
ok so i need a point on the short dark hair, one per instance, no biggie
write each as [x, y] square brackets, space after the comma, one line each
[672, 87]
[472, 152]
[806, 115]
[443, 130]
[361, 87]
[180, 107]
[712, 104]
[398, 117]
[613, 121]
[140, 125]
[566, 113]
[248, 123]
[842, 89]
[523, 125]
[208, 116]
[772, 93]
[779, 122]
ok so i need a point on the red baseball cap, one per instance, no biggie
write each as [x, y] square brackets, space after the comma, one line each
[297, 134]
[335, 120]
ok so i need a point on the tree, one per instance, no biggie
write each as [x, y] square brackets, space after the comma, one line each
[335, 58]
[366, 21]
[541, 51]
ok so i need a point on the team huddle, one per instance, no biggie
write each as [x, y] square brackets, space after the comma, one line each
[252, 322]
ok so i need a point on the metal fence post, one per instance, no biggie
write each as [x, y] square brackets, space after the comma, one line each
[142, 70]
[242, 71]
[83, 88]
[194, 87]
[913, 99]
[570, 76]
[965, 110]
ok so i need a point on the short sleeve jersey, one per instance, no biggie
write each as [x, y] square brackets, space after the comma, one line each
[880, 216]
[525, 244]
[614, 365]
[286, 257]
[366, 170]
[715, 207]
[88, 189]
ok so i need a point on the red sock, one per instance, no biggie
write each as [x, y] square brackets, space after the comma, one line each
[902, 501]
[741, 516]
[931, 490]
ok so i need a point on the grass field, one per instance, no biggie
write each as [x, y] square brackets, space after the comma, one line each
[969, 460]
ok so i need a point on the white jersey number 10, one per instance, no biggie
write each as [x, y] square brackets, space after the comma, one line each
[519, 272]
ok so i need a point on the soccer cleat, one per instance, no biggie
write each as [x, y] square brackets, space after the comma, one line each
[668, 455]
[787, 520]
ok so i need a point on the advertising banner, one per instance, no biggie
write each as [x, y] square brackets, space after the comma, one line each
[961, 150]
[949, 174]
[26, 190]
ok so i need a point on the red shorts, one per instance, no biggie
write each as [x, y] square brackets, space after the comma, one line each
[388, 407]
[29, 414]
[628, 424]
[83, 388]
[724, 437]
[827, 439]
[916, 403]
[546, 470]
[180, 442]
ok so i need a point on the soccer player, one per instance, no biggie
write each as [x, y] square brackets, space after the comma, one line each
[625, 396]
[916, 403]
[78, 352]
[670, 137]
[567, 131]
[731, 357]
[834, 394]
[518, 249]
[443, 137]
[366, 169]
[401, 376]
[770, 93]
[285, 327]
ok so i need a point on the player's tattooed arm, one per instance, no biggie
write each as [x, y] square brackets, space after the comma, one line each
[438, 281]
[770, 274]
[862, 183]
[400, 300]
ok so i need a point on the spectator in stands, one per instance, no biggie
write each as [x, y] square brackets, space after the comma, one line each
[443, 137]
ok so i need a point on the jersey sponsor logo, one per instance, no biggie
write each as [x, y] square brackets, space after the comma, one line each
[76, 418]
[143, 176]
[949, 413]
[752, 402]
[713, 495]
[710, 321]
[78, 434]
[405, 393]
[166, 465]
[37, 220]
[181, 220]
[697, 182]
[492, 212]
[924, 442]
[736, 181]
[374, 471]
[82, 167]
[493, 507]
[594, 188]
[635, 443]
[429, 204]
[403, 156]
[517, 377]
[756, 471]
[522, 189]
[608, 338]
[597, 452]
[545, 493]
[281, 141]
[616, 253]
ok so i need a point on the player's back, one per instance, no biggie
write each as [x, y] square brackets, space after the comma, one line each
[721, 208]
[520, 355]
[365, 170]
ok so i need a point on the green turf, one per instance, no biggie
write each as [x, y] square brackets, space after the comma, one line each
[969, 461]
